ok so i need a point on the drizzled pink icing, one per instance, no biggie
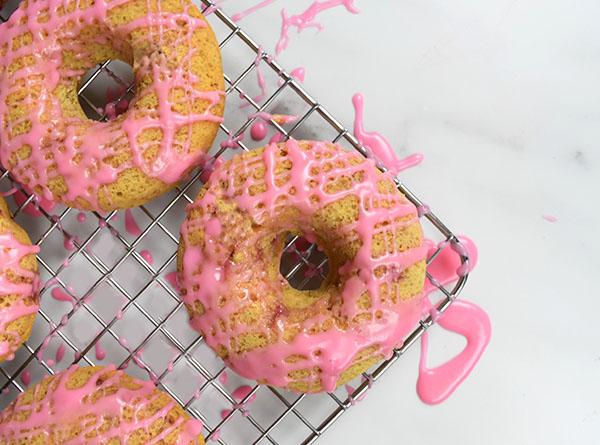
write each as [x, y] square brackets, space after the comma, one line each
[12, 251]
[62, 406]
[77, 147]
[462, 317]
[131, 225]
[32, 208]
[307, 19]
[378, 145]
[331, 351]
[240, 15]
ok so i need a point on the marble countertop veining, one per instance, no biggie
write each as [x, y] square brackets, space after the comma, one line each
[502, 98]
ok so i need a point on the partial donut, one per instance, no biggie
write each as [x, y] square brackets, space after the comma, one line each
[96, 405]
[229, 259]
[48, 143]
[19, 284]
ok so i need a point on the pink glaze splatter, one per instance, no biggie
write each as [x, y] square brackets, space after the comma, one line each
[77, 149]
[60, 295]
[240, 15]
[11, 254]
[171, 278]
[258, 131]
[26, 378]
[147, 255]
[462, 317]
[378, 145]
[32, 208]
[331, 351]
[307, 19]
[550, 218]
[298, 73]
[131, 225]
[100, 352]
[75, 404]
[223, 377]
[60, 353]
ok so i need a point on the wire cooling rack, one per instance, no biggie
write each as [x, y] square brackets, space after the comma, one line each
[125, 309]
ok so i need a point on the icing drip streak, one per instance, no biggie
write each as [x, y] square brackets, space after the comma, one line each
[109, 405]
[11, 254]
[330, 351]
[240, 15]
[307, 19]
[87, 156]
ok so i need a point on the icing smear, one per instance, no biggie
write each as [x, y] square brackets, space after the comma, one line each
[12, 251]
[330, 351]
[80, 150]
[62, 405]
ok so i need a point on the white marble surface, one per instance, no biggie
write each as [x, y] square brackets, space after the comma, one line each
[502, 98]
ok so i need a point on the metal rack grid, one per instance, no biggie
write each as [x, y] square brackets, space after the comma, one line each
[138, 301]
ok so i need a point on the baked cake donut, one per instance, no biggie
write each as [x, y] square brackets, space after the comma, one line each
[19, 284]
[48, 143]
[229, 259]
[96, 405]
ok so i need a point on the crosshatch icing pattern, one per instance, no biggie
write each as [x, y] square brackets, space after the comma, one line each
[109, 294]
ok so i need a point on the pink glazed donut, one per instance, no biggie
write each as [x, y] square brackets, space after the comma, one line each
[48, 143]
[229, 265]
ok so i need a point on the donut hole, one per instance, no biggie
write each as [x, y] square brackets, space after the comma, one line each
[303, 264]
[106, 90]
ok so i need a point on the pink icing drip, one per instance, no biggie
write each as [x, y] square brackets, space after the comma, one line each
[299, 73]
[9, 192]
[60, 295]
[81, 217]
[464, 318]
[92, 144]
[26, 378]
[245, 13]
[171, 278]
[223, 377]
[307, 19]
[279, 118]
[60, 353]
[11, 254]
[242, 392]
[550, 218]
[62, 405]
[335, 348]
[131, 225]
[99, 350]
[258, 131]
[378, 145]
[31, 208]
[147, 255]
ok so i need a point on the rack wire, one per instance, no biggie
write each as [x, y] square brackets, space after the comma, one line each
[125, 309]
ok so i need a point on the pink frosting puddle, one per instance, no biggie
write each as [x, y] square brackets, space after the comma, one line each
[60, 295]
[131, 225]
[306, 19]
[377, 144]
[32, 209]
[462, 317]
[550, 218]
[242, 392]
[100, 352]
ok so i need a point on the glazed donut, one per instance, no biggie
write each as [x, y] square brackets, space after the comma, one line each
[19, 284]
[229, 259]
[96, 405]
[48, 143]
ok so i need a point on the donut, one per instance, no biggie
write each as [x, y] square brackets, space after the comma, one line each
[96, 405]
[19, 284]
[229, 265]
[46, 140]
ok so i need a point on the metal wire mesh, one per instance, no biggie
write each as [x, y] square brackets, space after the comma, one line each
[125, 309]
